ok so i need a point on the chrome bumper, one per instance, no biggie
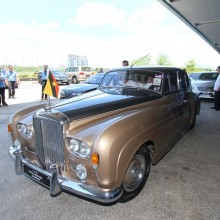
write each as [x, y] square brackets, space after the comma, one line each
[59, 183]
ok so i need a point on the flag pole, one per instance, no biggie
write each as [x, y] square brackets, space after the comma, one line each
[49, 100]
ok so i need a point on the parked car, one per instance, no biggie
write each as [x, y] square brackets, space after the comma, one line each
[78, 74]
[192, 75]
[101, 145]
[60, 77]
[203, 84]
[89, 85]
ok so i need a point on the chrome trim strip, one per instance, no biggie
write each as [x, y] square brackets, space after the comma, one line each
[57, 182]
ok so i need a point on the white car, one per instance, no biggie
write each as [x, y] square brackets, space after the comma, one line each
[203, 84]
[78, 74]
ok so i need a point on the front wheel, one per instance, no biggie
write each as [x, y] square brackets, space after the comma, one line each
[136, 175]
[74, 80]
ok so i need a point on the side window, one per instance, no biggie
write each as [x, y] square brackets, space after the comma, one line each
[166, 85]
[171, 82]
[183, 80]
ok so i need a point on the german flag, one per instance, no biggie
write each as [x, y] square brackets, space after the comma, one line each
[51, 88]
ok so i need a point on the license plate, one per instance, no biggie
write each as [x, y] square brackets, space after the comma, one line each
[37, 176]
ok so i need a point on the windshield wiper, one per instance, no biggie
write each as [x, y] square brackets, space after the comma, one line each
[139, 89]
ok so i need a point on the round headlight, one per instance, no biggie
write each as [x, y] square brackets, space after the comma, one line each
[84, 149]
[78, 147]
[73, 145]
[29, 132]
[22, 128]
[81, 171]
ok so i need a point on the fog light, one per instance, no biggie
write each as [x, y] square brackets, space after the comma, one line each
[81, 171]
[17, 145]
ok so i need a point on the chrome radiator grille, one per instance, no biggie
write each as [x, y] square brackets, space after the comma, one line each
[49, 141]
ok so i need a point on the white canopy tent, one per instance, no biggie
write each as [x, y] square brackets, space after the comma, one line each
[203, 16]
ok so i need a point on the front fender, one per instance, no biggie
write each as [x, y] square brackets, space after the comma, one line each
[117, 144]
[28, 112]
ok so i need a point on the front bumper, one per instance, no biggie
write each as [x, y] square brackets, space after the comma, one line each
[57, 183]
[206, 95]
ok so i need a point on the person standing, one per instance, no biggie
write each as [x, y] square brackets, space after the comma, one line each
[100, 70]
[11, 75]
[125, 63]
[2, 87]
[44, 77]
[217, 91]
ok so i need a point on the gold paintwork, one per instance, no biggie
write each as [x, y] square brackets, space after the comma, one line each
[117, 135]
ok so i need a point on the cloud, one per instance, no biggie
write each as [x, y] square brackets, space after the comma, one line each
[51, 25]
[131, 34]
[98, 14]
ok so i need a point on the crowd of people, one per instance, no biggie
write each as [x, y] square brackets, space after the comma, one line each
[8, 79]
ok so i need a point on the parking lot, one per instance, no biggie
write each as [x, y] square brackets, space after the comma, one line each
[185, 184]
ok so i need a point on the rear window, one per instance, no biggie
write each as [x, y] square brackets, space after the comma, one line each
[86, 69]
[208, 76]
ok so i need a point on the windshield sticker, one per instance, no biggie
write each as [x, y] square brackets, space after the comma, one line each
[157, 82]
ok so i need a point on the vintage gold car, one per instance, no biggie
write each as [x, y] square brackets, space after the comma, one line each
[101, 145]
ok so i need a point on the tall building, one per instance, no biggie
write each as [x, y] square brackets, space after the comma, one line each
[74, 60]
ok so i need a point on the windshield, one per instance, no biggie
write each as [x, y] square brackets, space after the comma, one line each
[208, 76]
[96, 79]
[139, 79]
[57, 73]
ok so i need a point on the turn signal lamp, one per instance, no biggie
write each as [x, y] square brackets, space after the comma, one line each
[95, 160]
[10, 128]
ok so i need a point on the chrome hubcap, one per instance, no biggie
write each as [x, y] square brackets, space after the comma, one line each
[135, 173]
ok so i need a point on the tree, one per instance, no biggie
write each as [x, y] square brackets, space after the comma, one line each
[143, 60]
[190, 66]
[163, 60]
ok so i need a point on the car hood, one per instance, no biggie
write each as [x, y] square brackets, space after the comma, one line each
[97, 102]
[80, 88]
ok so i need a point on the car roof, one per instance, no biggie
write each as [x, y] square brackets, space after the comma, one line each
[157, 68]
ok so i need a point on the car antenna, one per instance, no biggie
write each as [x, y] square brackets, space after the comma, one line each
[139, 60]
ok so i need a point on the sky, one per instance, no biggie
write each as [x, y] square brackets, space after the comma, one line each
[37, 32]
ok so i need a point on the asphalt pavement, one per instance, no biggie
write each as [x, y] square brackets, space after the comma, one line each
[185, 184]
